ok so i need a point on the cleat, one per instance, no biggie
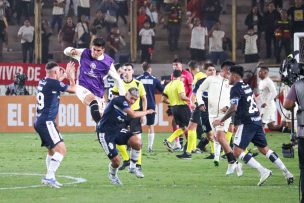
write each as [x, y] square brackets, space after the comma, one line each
[51, 183]
[289, 177]
[216, 163]
[231, 168]
[186, 156]
[137, 172]
[150, 150]
[196, 151]
[114, 179]
[223, 156]
[124, 165]
[168, 145]
[239, 170]
[264, 176]
[211, 156]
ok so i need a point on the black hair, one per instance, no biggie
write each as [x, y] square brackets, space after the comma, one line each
[117, 66]
[177, 60]
[129, 64]
[207, 65]
[177, 73]
[50, 65]
[145, 66]
[192, 64]
[227, 63]
[99, 41]
[265, 68]
[134, 91]
[238, 70]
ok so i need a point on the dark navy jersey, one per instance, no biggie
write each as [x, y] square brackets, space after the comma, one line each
[108, 85]
[151, 84]
[48, 98]
[205, 94]
[247, 112]
[114, 116]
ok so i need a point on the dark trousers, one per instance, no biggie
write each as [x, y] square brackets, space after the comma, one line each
[269, 38]
[57, 19]
[173, 35]
[301, 165]
[146, 53]
[27, 47]
[280, 44]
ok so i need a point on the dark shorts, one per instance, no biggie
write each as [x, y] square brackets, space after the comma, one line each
[135, 125]
[247, 133]
[181, 114]
[108, 138]
[205, 122]
[196, 116]
[150, 119]
[48, 133]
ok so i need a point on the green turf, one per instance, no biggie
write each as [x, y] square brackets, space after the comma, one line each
[167, 179]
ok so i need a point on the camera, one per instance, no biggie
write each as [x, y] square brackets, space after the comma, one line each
[21, 78]
[290, 69]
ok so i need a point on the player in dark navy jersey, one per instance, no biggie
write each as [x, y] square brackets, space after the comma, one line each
[151, 84]
[111, 131]
[250, 127]
[48, 98]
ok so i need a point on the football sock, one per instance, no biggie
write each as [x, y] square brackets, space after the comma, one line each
[250, 161]
[54, 165]
[217, 151]
[112, 170]
[134, 155]
[228, 136]
[211, 143]
[230, 158]
[191, 135]
[175, 134]
[150, 140]
[194, 139]
[95, 111]
[276, 160]
[47, 160]
[202, 143]
[123, 151]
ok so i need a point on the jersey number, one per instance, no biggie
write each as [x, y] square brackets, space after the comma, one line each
[252, 107]
[40, 100]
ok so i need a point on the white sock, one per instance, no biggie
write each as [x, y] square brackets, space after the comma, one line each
[47, 160]
[150, 140]
[134, 157]
[112, 171]
[177, 143]
[252, 162]
[276, 160]
[217, 151]
[54, 165]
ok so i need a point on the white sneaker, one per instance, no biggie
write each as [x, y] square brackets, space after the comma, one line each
[137, 172]
[231, 168]
[264, 176]
[114, 179]
[51, 183]
[238, 169]
[289, 177]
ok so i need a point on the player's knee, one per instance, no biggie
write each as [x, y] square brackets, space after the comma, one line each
[135, 143]
[115, 162]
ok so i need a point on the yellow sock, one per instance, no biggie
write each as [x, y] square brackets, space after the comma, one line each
[246, 151]
[123, 151]
[228, 137]
[211, 143]
[191, 135]
[139, 158]
[193, 140]
[175, 134]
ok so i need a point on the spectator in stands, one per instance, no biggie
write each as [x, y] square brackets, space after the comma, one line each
[194, 7]
[270, 17]
[84, 8]
[147, 40]
[18, 86]
[174, 24]
[71, 7]
[23, 9]
[260, 4]
[216, 37]
[98, 24]
[26, 34]
[142, 17]
[46, 33]
[296, 16]
[67, 33]
[211, 11]
[110, 9]
[3, 35]
[114, 42]
[283, 36]
[199, 37]
[82, 33]
[251, 48]
[57, 13]
[123, 10]
[254, 20]
[153, 15]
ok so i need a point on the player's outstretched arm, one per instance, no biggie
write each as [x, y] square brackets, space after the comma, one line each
[70, 73]
[138, 114]
[117, 80]
[73, 52]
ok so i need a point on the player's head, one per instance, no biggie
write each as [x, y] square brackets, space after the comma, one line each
[177, 64]
[129, 71]
[177, 73]
[237, 73]
[209, 69]
[132, 95]
[263, 72]
[193, 65]
[225, 67]
[97, 47]
[53, 70]
[119, 69]
[146, 67]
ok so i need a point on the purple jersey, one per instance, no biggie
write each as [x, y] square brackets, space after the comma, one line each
[92, 72]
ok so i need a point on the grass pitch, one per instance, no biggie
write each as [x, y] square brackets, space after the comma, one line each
[167, 179]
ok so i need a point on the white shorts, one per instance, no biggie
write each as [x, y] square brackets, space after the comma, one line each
[82, 92]
[224, 127]
[269, 115]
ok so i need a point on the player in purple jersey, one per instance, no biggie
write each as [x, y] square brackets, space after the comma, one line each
[48, 98]
[250, 127]
[94, 65]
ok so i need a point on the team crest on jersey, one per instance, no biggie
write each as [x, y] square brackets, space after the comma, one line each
[125, 103]
[93, 66]
[62, 84]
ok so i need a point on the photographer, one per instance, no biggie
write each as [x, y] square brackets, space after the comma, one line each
[296, 95]
[18, 86]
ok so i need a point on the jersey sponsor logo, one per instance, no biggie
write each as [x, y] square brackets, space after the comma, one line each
[62, 84]
[147, 81]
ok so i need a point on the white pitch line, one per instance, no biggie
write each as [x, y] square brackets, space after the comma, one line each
[75, 180]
